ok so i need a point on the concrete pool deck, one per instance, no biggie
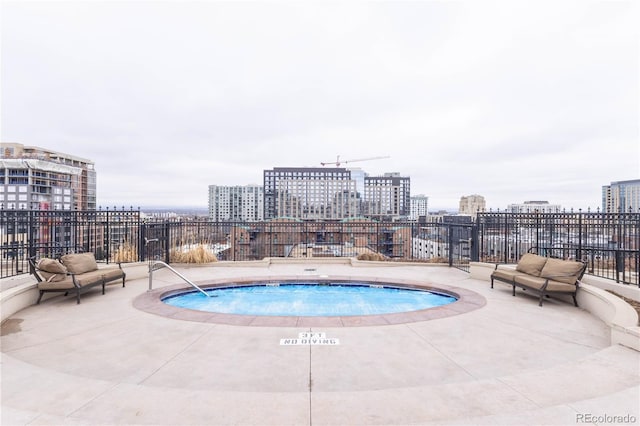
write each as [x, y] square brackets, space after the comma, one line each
[106, 362]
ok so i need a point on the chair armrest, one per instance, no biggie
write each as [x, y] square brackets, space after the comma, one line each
[508, 266]
[33, 268]
[73, 278]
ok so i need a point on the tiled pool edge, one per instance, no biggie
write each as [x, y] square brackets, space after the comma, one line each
[151, 302]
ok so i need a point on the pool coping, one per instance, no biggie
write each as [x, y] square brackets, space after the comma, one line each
[151, 302]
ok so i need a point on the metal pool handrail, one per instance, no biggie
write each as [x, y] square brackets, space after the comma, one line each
[157, 264]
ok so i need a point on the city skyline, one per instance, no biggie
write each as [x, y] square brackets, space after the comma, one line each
[380, 193]
[514, 102]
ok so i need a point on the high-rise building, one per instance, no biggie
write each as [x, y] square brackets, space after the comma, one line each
[471, 204]
[387, 197]
[236, 203]
[419, 206]
[534, 207]
[621, 196]
[358, 175]
[40, 179]
[310, 193]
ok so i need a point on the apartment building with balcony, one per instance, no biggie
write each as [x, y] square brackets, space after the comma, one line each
[310, 193]
[387, 197]
[621, 196]
[33, 178]
[334, 193]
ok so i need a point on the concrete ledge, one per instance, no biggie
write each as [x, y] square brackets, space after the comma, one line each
[312, 260]
[621, 317]
[626, 290]
[264, 263]
[17, 298]
[224, 264]
[307, 260]
[386, 263]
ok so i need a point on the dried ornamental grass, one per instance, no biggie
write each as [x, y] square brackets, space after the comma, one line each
[126, 253]
[371, 256]
[198, 254]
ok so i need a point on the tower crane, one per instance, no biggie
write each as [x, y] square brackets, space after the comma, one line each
[338, 162]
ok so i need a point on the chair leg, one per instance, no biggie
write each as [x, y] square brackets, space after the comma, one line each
[40, 297]
[541, 298]
[78, 296]
[491, 282]
[575, 301]
[513, 292]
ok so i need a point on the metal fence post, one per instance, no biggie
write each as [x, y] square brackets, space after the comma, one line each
[450, 243]
[506, 238]
[108, 233]
[167, 233]
[579, 253]
[142, 238]
[31, 249]
[475, 247]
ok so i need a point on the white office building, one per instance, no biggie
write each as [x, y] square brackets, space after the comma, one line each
[534, 207]
[419, 206]
[236, 203]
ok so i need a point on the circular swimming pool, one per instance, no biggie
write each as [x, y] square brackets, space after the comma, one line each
[310, 299]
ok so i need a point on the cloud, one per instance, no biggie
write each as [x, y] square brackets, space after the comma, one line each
[509, 100]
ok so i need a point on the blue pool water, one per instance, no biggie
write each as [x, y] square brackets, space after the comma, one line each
[304, 299]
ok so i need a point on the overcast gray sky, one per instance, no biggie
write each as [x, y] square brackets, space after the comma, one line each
[511, 100]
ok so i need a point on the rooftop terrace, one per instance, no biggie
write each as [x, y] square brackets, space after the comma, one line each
[507, 361]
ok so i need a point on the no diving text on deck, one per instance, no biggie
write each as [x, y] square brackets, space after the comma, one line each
[309, 339]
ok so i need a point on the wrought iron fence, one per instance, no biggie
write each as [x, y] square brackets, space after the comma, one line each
[608, 242]
[112, 235]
